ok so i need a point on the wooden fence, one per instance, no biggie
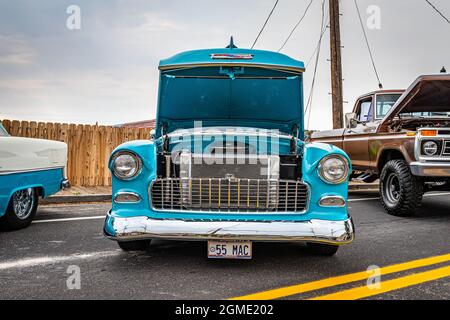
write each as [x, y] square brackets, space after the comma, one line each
[89, 146]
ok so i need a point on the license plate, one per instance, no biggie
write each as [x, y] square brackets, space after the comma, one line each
[230, 249]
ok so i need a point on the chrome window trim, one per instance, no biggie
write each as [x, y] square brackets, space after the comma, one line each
[204, 211]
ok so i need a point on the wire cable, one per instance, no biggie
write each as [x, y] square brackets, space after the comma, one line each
[438, 11]
[380, 85]
[265, 23]
[296, 26]
[323, 28]
[318, 44]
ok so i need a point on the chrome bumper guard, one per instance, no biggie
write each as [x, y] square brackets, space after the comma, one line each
[427, 169]
[321, 231]
[65, 184]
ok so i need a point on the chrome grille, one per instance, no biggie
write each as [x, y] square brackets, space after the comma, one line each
[229, 195]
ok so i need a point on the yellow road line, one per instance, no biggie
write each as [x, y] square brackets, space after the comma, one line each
[339, 280]
[389, 285]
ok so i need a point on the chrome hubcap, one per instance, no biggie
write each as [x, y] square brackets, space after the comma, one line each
[23, 203]
[392, 188]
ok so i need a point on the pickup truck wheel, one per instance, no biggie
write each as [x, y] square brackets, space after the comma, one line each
[322, 249]
[401, 192]
[21, 209]
[140, 245]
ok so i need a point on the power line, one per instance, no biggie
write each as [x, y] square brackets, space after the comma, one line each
[265, 23]
[318, 44]
[437, 10]
[368, 46]
[323, 28]
[296, 26]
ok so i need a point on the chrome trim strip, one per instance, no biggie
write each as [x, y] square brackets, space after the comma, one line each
[7, 172]
[321, 231]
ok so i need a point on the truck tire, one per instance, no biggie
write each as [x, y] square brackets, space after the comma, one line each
[401, 192]
[21, 210]
[139, 245]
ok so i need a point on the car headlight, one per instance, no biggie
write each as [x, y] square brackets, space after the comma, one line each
[333, 169]
[126, 165]
[430, 148]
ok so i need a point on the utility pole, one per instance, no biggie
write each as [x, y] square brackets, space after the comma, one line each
[336, 65]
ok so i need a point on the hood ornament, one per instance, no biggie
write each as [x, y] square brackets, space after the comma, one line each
[231, 45]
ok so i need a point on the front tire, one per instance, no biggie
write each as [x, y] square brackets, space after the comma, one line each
[21, 209]
[322, 249]
[140, 245]
[401, 192]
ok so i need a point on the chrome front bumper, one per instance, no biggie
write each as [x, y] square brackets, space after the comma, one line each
[321, 231]
[427, 169]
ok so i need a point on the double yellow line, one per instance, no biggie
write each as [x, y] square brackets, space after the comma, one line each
[363, 291]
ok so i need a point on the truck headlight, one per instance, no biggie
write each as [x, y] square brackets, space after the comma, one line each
[430, 148]
[126, 165]
[333, 169]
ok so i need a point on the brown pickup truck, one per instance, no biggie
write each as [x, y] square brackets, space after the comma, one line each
[401, 137]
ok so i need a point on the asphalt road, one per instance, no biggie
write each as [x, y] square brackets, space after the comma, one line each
[34, 262]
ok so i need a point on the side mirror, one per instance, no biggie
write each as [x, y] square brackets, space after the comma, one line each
[152, 134]
[350, 120]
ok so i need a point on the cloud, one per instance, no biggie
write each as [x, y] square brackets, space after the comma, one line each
[107, 71]
[15, 50]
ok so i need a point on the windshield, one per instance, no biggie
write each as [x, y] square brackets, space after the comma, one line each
[3, 132]
[384, 103]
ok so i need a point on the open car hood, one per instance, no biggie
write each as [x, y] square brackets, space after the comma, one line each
[428, 93]
[239, 87]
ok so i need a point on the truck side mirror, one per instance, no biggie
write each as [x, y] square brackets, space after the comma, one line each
[350, 120]
[152, 134]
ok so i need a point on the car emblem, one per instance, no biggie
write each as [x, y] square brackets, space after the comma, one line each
[228, 56]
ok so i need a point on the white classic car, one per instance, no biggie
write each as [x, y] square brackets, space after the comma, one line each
[29, 169]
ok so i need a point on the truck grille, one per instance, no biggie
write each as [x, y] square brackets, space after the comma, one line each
[229, 195]
[446, 150]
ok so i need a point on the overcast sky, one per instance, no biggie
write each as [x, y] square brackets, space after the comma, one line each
[106, 72]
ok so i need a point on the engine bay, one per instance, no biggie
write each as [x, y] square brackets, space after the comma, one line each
[229, 160]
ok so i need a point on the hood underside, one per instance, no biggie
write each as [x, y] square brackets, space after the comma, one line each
[246, 90]
[430, 93]
[219, 97]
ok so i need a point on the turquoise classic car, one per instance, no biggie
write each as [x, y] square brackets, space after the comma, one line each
[227, 163]
[29, 169]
